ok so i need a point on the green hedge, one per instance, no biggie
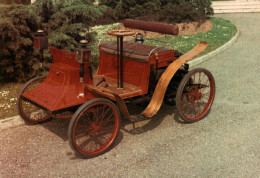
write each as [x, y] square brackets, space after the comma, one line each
[135, 8]
[66, 21]
[185, 10]
[25, 2]
[16, 53]
[166, 10]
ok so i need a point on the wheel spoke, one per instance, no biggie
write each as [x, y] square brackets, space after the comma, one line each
[199, 77]
[95, 129]
[81, 135]
[109, 119]
[201, 81]
[185, 104]
[102, 117]
[207, 84]
[192, 109]
[206, 97]
[195, 95]
[86, 117]
[198, 106]
[85, 143]
[107, 128]
[206, 94]
[95, 113]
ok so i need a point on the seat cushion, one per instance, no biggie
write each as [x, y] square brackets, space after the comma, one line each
[133, 51]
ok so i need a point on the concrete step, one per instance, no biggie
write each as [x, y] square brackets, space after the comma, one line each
[235, 6]
[235, 11]
[216, 3]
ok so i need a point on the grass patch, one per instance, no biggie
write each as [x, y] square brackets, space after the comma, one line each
[8, 95]
[221, 33]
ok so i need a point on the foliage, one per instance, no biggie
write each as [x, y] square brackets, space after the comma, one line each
[71, 21]
[16, 54]
[135, 8]
[107, 17]
[109, 3]
[185, 10]
[168, 10]
[16, 1]
[66, 21]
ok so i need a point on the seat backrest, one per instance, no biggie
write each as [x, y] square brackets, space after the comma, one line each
[133, 51]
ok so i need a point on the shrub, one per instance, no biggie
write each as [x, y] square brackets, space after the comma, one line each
[186, 10]
[16, 1]
[107, 17]
[16, 53]
[70, 22]
[135, 8]
[169, 10]
[109, 3]
[66, 21]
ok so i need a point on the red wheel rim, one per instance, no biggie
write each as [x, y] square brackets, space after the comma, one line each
[197, 95]
[96, 128]
[30, 111]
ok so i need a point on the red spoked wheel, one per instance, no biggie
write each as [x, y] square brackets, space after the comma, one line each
[195, 95]
[94, 127]
[29, 111]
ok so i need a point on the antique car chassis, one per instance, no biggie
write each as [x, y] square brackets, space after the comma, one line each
[127, 72]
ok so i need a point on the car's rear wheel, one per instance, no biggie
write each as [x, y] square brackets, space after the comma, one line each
[195, 95]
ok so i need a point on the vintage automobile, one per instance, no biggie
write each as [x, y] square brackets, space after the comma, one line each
[128, 72]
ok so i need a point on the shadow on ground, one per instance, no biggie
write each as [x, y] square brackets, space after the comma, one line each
[59, 127]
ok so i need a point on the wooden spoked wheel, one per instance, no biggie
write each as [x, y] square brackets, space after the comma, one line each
[94, 127]
[29, 111]
[195, 95]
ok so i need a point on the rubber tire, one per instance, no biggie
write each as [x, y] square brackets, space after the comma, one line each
[179, 94]
[74, 119]
[27, 84]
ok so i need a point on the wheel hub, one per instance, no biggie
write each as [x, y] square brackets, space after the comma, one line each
[194, 94]
[95, 127]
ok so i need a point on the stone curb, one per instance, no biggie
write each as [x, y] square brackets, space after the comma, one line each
[18, 121]
[11, 122]
[206, 57]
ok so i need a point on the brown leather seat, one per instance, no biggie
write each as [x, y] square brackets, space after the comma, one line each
[133, 51]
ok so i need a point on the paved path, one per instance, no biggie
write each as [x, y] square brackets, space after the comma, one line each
[224, 144]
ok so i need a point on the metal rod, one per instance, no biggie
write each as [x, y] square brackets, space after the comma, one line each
[121, 62]
[41, 57]
[41, 63]
[118, 70]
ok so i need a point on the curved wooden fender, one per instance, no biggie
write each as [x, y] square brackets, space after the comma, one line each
[166, 77]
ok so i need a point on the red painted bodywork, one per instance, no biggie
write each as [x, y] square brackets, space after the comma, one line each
[135, 73]
[62, 87]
